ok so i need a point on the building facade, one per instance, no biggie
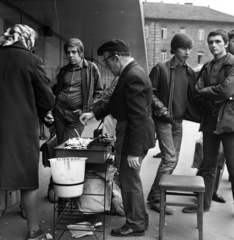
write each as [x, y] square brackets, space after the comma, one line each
[163, 21]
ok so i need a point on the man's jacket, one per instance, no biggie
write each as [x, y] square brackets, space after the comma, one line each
[220, 97]
[162, 77]
[92, 80]
[130, 105]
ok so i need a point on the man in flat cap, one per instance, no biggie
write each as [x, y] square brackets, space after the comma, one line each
[215, 94]
[173, 86]
[130, 105]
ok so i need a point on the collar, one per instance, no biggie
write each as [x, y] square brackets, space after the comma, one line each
[124, 66]
[176, 64]
[222, 59]
[83, 63]
[229, 60]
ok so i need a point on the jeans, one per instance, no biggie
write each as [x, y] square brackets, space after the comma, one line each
[65, 122]
[211, 144]
[169, 140]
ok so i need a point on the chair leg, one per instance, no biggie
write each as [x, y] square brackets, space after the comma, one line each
[162, 213]
[200, 215]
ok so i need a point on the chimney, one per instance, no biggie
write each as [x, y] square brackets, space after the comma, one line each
[188, 3]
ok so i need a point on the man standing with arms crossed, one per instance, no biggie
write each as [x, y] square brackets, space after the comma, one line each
[130, 105]
[215, 95]
[173, 87]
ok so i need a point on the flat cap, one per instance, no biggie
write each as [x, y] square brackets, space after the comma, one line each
[114, 45]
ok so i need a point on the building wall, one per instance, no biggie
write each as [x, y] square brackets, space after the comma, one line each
[155, 44]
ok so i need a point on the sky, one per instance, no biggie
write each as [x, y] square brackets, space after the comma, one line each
[225, 6]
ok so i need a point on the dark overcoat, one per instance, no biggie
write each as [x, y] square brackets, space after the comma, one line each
[25, 95]
[131, 102]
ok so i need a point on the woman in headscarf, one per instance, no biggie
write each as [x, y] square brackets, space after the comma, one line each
[25, 96]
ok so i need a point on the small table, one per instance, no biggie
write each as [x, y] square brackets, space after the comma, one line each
[97, 155]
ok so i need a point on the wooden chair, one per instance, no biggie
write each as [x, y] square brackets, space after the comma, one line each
[181, 185]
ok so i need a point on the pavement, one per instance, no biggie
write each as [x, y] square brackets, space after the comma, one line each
[218, 223]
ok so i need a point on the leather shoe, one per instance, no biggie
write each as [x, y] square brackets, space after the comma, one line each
[218, 198]
[125, 231]
[156, 207]
[193, 209]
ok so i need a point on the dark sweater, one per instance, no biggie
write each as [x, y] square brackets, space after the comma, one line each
[179, 103]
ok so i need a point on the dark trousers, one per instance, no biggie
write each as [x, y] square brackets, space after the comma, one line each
[132, 194]
[220, 170]
[211, 144]
[65, 122]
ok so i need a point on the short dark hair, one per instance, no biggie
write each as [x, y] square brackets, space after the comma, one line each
[75, 42]
[231, 33]
[219, 31]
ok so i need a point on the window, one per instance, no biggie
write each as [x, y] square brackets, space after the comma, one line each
[183, 30]
[163, 55]
[201, 34]
[164, 33]
[146, 31]
[199, 57]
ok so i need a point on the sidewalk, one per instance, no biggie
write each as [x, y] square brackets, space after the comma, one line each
[218, 223]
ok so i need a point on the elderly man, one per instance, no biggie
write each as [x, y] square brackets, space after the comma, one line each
[130, 105]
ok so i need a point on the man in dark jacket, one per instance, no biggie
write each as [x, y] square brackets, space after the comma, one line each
[130, 105]
[215, 93]
[173, 84]
[78, 87]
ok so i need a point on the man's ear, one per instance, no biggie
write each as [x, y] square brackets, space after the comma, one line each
[117, 56]
[226, 44]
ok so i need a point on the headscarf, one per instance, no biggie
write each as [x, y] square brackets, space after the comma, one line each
[19, 32]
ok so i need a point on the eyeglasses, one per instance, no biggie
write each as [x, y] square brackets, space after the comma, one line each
[104, 60]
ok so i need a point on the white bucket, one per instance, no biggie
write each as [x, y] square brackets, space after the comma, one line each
[68, 176]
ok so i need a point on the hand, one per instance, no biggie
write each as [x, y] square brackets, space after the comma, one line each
[133, 161]
[49, 119]
[166, 117]
[85, 117]
[79, 111]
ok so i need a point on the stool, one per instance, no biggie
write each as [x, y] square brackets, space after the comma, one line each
[179, 185]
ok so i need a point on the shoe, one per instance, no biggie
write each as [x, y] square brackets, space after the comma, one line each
[218, 198]
[158, 155]
[51, 196]
[156, 207]
[193, 209]
[22, 212]
[39, 235]
[125, 231]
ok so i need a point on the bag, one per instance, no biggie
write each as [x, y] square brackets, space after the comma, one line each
[92, 199]
[198, 153]
[98, 130]
[48, 151]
